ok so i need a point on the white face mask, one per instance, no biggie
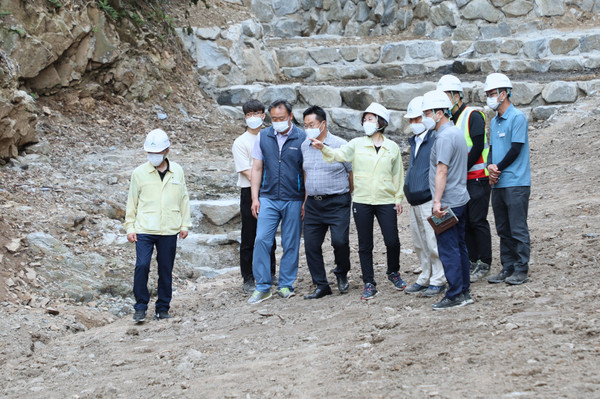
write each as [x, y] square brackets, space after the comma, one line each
[492, 102]
[370, 128]
[417, 128]
[428, 122]
[254, 122]
[156, 159]
[314, 132]
[281, 127]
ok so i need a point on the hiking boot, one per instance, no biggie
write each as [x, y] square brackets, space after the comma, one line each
[467, 298]
[447, 303]
[162, 314]
[285, 292]
[258, 296]
[434, 290]
[248, 287]
[342, 283]
[415, 289]
[369, 292]
[499, 278]
[139, 316]
[395, 278]
[517, 278]
[481, 270]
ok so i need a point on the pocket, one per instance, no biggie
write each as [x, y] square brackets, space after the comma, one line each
[174, 222]
[149, 221]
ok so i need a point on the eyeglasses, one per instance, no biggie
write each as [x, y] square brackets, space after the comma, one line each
[251, 114]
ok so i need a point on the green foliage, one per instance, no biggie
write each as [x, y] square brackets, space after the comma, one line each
[108, 9]
[5, 13]
[55, 3]
[33, 95]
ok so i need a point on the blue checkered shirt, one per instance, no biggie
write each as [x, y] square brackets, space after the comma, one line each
[324, 178]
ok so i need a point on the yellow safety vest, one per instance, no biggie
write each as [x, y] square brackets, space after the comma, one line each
[479, 170]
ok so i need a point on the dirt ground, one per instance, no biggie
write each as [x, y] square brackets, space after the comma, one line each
[536, 340]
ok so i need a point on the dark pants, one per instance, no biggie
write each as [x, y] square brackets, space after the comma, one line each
[165, 256]
[248, 236]
[331, 213]
[453, 254]
[510, 207]
[387, 219]
[477, 230]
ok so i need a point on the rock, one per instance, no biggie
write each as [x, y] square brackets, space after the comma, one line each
[404, 17]
[369, 54]
[441, 33]
[208, 54]
[323, 96]
[298, 73]
[251, 28]
[327, 73]
[347, 118]
[549, 8]
[500, 3]
[349, 53]
[510, 46]
[354, 72]
[525, 93]
[52, 311]
[444, 14]
[348, 12]
[485, 46]
[13, 246]
[324, 55]
[565, 64]
[560, 92]
[517, 8]
[536, 48]
[238, 95]
[589, 43]
[544, 112]
[207, 33]
[563, 46]
[262, 9]
[292, 57]
[219, 212]
[510, 326]
[494, 31]
[424, 49]
[40, 243]
[398, 96]
[466, 32]
[392, 52]
[363, 12]
[386, 70]
[359, 98]
[234, 113]
[281, 92]
[288, 27]
[285, 7]
[481, 9]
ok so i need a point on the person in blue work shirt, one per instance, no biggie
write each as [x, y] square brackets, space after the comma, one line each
[510, 176]
[277, 186]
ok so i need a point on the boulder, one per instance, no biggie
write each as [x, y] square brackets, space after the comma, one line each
[398, 96]
[517, 8]
[510, 46]
[285, 7]
[363, 12]
[369, 54]
[349, 53]
[41, 243]
[404, 18]
[294, 57]
[494, 31]
[543, 112]
[560, 92]
[218, 212]
[279, 92]
[424, 49]
[327, 73]
[207, 33]
[485, 46]
[359, 98]
[386, 71]
[389, 12]
[549, 8]
[589, 43]
[481, 9]
[262, 10]
[525, 93]
[466, 32]
[305, 73]
[348, 12]
[353, 72]
[238, 95]
[566, 64]
[392, 52]
[288, 27]
[323, 96]
[347, 118]
[563, 46]
[444, 14]
[441, 33]
[536, 48]
[324, 55]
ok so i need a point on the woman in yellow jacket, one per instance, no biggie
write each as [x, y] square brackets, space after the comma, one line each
[378, 181]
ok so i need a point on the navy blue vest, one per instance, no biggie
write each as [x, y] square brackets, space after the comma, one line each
[283, 177]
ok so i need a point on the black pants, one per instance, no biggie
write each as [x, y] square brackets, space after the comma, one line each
[477, 231]
[511, 205]
[388, 222]
[331, 213]
[248, 236]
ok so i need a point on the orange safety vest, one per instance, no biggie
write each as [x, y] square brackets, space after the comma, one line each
[479, 170]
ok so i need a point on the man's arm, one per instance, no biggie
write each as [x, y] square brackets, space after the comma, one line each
[247, 173]
[351, 181]
[441, 174]
[255, 181]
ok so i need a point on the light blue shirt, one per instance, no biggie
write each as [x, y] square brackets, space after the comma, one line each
[511, 127]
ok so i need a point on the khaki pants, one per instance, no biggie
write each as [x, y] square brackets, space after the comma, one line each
[425, 245]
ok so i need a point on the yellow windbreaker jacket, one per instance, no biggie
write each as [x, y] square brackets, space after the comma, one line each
[378, 176]
[155, 206]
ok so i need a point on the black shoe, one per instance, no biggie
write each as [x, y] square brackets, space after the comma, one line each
[448, 303]
[248, 287]
[163, 314]
[499, 278]
[517, 278]
[319, 293]
[139, 316]
[395, 278]
[343, 284]
[467, 298]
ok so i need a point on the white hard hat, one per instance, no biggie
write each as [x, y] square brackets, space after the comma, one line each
[436, 99]
[379, 110]
[497, 81]
[449, 83]
[414, 109]
[156, 141]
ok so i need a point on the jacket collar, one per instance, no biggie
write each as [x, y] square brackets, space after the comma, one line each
[369, 142]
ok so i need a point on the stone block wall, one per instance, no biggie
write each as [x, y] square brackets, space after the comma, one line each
[437, 19]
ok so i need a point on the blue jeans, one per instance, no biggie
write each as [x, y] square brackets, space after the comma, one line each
[271, 213]
[454, 256]
[165, 257]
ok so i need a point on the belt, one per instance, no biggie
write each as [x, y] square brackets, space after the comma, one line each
[322, 197]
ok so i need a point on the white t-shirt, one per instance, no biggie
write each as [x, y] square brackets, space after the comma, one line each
[242, 156]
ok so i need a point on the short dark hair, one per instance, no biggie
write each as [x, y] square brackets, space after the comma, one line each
[319, 113]
[285, 103]
[446, 111]
[253, 106]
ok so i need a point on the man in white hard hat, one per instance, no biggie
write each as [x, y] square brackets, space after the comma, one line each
[158, 210]
[510, 175]
[448, 185]
[471, 121]
[431, 281]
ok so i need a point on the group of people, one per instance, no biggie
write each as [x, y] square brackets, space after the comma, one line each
[311, 180]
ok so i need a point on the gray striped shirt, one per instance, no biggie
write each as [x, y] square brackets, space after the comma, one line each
[324, 178]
